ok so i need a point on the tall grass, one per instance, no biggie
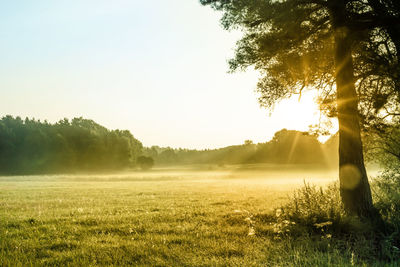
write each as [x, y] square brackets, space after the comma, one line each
[316, 215]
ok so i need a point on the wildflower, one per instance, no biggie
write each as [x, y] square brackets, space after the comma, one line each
[251, 231]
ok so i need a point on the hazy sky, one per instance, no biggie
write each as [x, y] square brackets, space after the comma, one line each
[157, 68]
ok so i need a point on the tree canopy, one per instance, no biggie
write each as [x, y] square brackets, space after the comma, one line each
[291, 43]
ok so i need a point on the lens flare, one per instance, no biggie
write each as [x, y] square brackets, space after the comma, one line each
[350, 176]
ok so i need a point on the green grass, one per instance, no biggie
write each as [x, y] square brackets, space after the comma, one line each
[165, 217]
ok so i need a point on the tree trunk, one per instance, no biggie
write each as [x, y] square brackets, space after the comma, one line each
[354, 187]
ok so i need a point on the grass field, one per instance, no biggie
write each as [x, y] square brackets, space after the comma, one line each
[164, 217]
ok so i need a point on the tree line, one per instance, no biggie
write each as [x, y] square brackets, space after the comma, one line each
[286, 147]
[32, 146]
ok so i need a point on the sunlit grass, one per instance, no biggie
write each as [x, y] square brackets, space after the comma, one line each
[167, 218]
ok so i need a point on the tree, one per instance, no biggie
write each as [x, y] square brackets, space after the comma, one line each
[294, 147]
[145, 163]
[312, 45]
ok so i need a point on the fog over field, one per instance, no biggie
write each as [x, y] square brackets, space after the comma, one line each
[200, 133]
[167, 216]
[185, 215]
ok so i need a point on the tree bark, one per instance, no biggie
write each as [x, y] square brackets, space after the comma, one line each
[354, 187]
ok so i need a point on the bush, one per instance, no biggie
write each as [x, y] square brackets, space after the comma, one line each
[145, 163]
[314, 210]
[387, 195]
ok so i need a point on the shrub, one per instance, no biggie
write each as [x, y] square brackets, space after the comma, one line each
[314, 210]
[145, 163]
[317, 215]
[387, 195]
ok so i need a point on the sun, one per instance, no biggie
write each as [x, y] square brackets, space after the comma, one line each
[298, 113]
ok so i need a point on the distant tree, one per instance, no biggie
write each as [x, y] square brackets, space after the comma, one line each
[320, 44]
[294, 147]
[248, 142]
[287, 147]
[145, 163]
[151, 152]
[167, 156]
[32, 146]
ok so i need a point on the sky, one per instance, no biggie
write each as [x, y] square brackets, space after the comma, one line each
[157, 68]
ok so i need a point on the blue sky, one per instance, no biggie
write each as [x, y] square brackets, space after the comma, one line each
[155, 67]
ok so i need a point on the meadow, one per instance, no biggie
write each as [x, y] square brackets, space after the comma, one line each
[186, 216]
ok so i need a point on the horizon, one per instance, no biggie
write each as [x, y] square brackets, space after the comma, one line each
[321, 139]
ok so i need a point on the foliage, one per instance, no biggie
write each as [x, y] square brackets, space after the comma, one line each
[31, 146]
[317, 214]
[145, 163]
[286, 147]
[291, 44]
[312, 211]
[387, 194]
[314, 207]
[383, 146]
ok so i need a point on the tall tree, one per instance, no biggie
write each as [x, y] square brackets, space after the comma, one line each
[301, 45]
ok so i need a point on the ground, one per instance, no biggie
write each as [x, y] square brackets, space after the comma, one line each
[192, 216]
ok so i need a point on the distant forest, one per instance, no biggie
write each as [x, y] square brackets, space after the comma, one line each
[30, 146]
[286, 147]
